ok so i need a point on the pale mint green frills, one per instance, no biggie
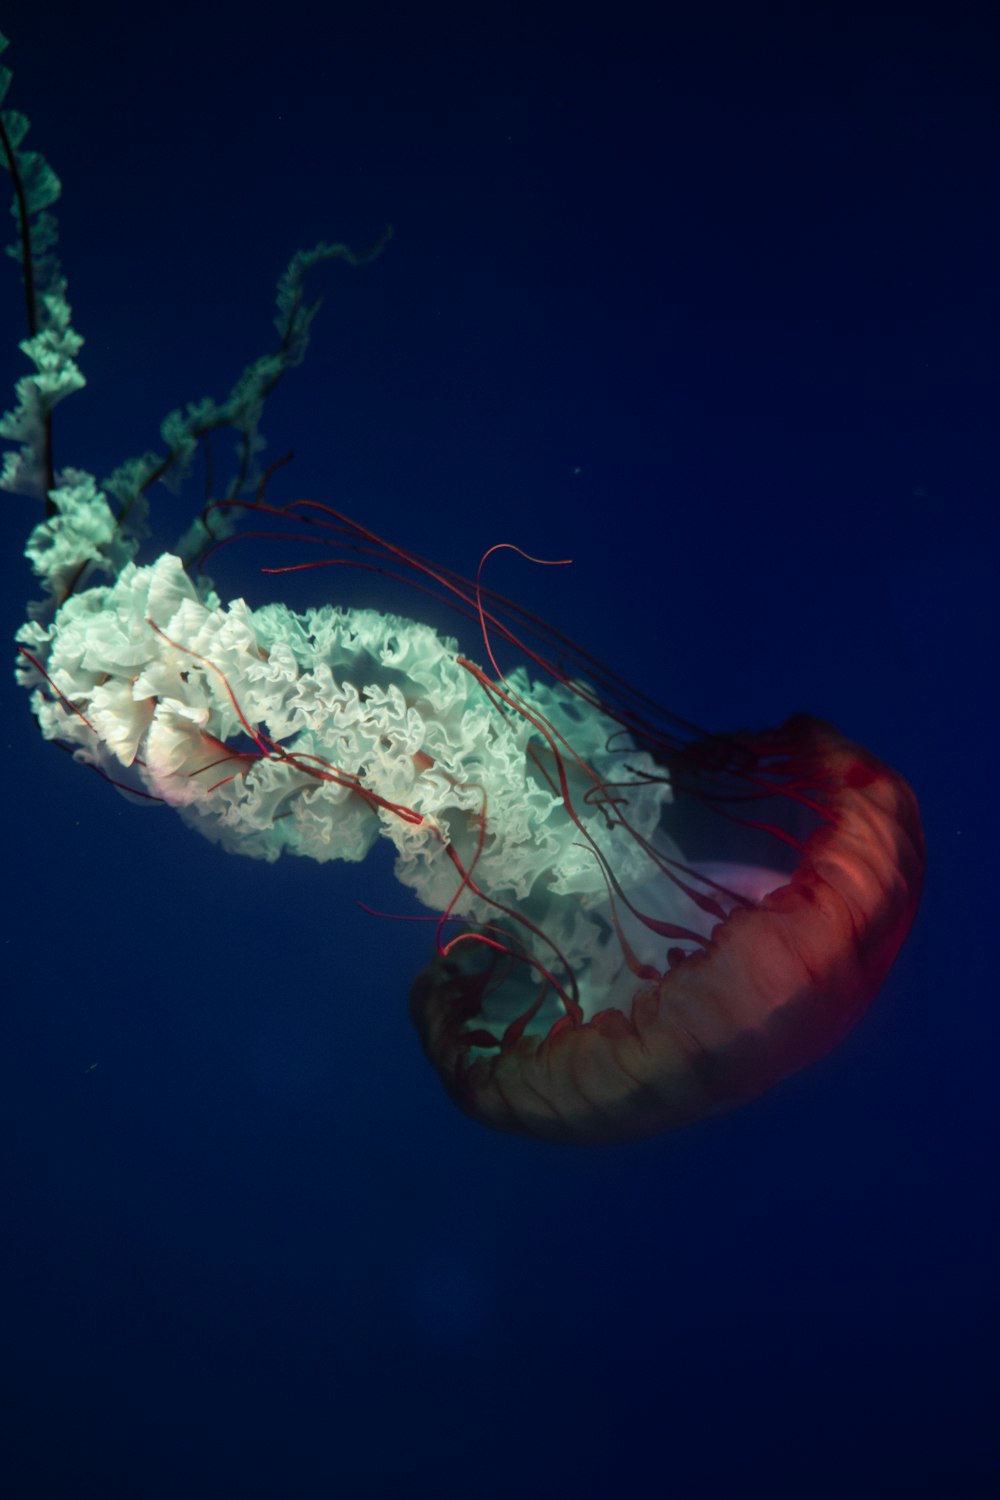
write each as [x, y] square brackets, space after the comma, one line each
[363, 698]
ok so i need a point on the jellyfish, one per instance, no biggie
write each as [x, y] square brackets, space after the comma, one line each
[636, 923]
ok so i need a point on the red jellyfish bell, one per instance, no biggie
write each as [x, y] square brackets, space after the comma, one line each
[799, 862]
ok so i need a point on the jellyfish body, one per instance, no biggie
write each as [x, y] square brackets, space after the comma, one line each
[638, 924]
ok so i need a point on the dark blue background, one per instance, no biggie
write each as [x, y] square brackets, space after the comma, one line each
[710, 306]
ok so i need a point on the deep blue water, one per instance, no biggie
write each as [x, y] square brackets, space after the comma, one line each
[710, 306]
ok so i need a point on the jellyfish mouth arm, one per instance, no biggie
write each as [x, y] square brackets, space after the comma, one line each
[315, 734]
